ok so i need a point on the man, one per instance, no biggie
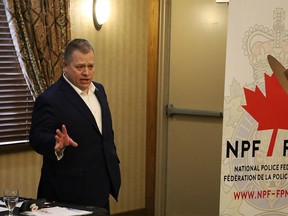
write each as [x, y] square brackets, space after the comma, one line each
[72, 130]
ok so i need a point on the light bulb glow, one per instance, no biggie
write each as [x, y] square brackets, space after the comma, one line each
[102, 11]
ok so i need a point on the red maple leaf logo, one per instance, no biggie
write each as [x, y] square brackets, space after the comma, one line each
[269, 111]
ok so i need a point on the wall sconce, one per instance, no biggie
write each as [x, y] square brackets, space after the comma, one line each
[101, 12]
[222, 1]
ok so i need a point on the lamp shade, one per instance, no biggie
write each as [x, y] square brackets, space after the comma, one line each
[101, 12]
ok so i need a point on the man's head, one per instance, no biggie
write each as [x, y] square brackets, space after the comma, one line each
[79, 63]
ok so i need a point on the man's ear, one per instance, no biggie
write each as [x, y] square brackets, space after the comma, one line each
[63, 63]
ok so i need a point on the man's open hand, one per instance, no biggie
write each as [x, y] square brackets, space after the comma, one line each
[63, 139]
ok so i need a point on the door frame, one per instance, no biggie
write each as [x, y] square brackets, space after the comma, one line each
[162, 100]
[151, 106]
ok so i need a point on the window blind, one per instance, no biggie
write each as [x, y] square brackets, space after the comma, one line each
[16, 101]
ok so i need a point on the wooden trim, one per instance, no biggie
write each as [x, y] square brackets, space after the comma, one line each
[138, 212]
[163, 100]
[151, 124]
[14, 147]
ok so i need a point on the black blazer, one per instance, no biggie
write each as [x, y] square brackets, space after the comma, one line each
[87, 174]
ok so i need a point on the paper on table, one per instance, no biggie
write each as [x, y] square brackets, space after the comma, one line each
[3, 209]
[57, 211]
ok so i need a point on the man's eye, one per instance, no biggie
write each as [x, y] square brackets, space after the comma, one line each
[80, 67]
[91, 67]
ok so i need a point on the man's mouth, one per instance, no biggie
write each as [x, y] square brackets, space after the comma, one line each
[85, 81]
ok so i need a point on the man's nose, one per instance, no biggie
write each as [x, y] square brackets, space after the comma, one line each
[85, 71]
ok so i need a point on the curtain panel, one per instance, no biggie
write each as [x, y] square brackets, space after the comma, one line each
[40, 31]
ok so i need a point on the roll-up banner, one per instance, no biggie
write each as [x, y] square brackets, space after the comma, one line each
[254, 165]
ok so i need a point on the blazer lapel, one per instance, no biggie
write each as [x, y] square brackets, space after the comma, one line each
[100, 94]
[100, 99]
[78, 103]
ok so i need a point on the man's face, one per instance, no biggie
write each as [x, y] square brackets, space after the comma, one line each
[80, 70]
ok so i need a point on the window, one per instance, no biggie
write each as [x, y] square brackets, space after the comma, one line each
[16, 100]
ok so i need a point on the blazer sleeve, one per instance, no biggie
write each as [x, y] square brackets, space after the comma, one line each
[44, 125]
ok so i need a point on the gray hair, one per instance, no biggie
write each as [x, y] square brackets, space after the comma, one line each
[83, 45]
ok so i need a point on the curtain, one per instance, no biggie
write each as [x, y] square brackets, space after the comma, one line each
[40, 31]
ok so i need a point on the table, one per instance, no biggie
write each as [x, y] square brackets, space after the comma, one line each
[96, 211]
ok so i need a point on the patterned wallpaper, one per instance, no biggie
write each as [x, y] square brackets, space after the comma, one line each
[121, 65]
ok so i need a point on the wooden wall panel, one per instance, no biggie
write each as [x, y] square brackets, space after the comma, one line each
[20, 170]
